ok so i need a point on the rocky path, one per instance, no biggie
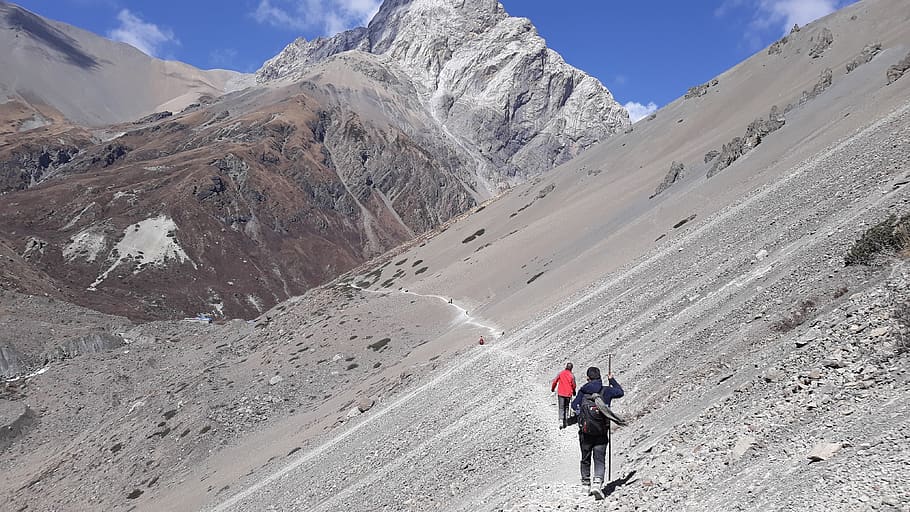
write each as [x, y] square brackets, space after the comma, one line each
[461, 314]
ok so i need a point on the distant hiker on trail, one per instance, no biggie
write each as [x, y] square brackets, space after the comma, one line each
[564, 385]
[481, 342]
[593, 428]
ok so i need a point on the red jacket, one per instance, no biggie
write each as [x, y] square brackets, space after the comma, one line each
[564, 384]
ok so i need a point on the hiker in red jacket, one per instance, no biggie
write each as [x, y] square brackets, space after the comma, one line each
[564, 385]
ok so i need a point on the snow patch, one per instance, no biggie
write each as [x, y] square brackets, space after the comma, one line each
[256, 303]
[78, 216]
[37, 121]
[86, 244]
[147, 242]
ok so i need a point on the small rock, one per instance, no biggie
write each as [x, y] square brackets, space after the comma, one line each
[275, 380]
[833, 363]
[760, 255]
[365, 404]
[815, 374]
[823, 451]
[741, 447]
[879, 331]
[773, 375]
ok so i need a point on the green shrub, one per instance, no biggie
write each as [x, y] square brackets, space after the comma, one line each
[890, 235]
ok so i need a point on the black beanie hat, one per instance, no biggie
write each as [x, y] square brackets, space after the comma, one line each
[593, 373]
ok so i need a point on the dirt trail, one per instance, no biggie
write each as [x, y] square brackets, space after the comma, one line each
[461, 317]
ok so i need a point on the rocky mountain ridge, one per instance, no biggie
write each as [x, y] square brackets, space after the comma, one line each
[487, 78]
[90, 80]
[259, 194]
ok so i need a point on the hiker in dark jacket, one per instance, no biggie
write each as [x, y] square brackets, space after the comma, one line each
[564, 386]
[595, 446]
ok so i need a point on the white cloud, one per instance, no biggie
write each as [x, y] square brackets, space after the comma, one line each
[147, 37]
[327, 16]
[785, 13]
[780, 15]
[638, 111]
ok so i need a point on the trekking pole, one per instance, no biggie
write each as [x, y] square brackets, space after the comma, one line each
[609, 428]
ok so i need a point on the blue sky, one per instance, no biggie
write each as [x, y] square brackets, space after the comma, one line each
[647, 52]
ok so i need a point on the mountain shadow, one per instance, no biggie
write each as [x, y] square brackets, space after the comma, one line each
[50, 36]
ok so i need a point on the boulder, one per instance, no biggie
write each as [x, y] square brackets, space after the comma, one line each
[823, 451]
[275, 380]
[365, 404]
[15, 418]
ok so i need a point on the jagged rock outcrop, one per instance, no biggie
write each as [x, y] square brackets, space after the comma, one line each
[699, 90]
[778, 46]
[25, 166]
[896, 71]
[89, 344]
[825, 79]
[755, 133]
[821, 42]
[10, 362]
[674, 175]
[868, 53]
[512, 104]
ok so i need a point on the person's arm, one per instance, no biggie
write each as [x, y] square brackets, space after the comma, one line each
[553, 384]
[615, 390]
[576, 403]
[573, 385]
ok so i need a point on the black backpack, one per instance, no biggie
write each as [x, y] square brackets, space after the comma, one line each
[591, 421]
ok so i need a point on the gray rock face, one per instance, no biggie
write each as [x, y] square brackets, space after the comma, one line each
[10, 362]
[868, 53]
[488, 79]
[825, 79]
[755, 133]
[675, 173]
[896, 71]
[88, 344]
[700, 90]
[822, 41]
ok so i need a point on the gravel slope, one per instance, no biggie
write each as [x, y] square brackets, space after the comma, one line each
[706, 376]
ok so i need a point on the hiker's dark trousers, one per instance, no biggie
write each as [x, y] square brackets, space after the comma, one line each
[564, 402]
[596, 448]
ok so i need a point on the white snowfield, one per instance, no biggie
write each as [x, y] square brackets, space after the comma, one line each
[147, 243]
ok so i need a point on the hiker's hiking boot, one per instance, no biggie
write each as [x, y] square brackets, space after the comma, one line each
[597, 489]
[562, 425]
[586, 485]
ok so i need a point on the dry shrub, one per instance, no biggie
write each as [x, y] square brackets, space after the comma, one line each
[902, 340]
[796, 317]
